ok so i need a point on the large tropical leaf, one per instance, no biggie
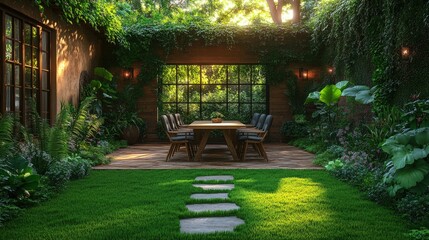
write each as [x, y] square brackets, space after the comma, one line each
[362, 94]
[409, 176]
[353, 91]
[422, 136]
[312, 97]
[407, 156]
[341, 85]
[104, 73]
[330, 95]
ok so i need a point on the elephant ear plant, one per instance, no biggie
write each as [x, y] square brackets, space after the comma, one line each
[408, 167]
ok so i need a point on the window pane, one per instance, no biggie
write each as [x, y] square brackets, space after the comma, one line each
[258, 93]
[182, 93]
[27, 78]
[181, 75]
[8, 49]
[17, 29]
[44, 60]
[245, 110]
[8, 73]
[194, 74]
[168, 108]
[17, 98]
[169, 75]
[28, 55]
[245, 93]
[168, 93]
[182, 108]
[17, 75]
[233, 74]
[45, 80]
[233, 93]
[27, 34]
[17, 52]
[8, 26]
[194, 112]
[35, 78]
[35, 58]
[35, 35]
[260, 108]
[258, 76]
[45, 40]
[194, 93]
[214, 93]
[45, 101]
[245, 74]
[8, 98]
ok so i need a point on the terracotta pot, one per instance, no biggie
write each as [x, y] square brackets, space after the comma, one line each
[131, 134]
[216, 120]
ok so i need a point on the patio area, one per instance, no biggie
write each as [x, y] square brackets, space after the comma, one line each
[215, 156]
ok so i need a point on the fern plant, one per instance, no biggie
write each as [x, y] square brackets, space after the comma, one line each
[6, 140]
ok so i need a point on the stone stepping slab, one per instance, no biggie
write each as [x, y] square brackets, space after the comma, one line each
[212, 207]
[214, 186]
[215, 178]
[209, 224]
[209, 196]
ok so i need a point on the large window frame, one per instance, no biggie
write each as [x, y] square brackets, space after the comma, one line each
[241, 83]
[27, 65]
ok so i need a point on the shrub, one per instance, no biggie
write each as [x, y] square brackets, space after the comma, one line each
[333, 152]
[334, 165]
[79, 167]
[294, 129]
[40, 160]
[17, 180]
[415, 207]
[59, 173]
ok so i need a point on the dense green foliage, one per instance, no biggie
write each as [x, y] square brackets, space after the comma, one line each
[289, 204]
[363, 40]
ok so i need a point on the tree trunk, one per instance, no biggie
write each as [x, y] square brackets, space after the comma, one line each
[276, 11]
[296, 7]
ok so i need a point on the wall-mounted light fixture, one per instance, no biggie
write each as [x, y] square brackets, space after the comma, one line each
[405, 53]
[303, 73]
[128, 73]
[331, 70]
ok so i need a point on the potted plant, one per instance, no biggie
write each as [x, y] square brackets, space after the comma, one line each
[216, 117]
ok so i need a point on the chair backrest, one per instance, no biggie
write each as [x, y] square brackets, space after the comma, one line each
[173, 122]
[267, 123]
[166, 124]
[255, 119]
[261, 121]
[178, 119]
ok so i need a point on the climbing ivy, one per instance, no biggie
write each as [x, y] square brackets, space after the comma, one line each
[373, 32]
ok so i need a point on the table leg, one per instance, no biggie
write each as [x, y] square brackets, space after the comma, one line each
[228, 135]
[203, 143]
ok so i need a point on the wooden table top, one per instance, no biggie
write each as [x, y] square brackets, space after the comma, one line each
[211, 125]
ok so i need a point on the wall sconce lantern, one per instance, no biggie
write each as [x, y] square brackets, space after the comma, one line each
[330, 70]
[405, 53]
[128, 73]
[303, 73]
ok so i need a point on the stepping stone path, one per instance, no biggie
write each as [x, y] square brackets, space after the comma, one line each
[211, 224]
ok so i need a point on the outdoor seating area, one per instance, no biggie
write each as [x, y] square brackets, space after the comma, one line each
[214, 119]
[193, 137]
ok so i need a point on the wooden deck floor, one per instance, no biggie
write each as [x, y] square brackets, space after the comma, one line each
[152, 156]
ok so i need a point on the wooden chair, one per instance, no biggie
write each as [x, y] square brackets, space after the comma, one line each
[254, 120]
[175, 125]
[252, 130]
[255, 139]
[179, 120]
[176, 141]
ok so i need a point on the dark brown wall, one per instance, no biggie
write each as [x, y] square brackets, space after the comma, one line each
[77, 50]
[200, 54]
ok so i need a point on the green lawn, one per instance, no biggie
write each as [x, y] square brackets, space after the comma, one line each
[147, 204]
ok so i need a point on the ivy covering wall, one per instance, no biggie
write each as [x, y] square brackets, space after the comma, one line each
[363, 39]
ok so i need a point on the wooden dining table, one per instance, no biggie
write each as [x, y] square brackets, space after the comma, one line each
[204, 128]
